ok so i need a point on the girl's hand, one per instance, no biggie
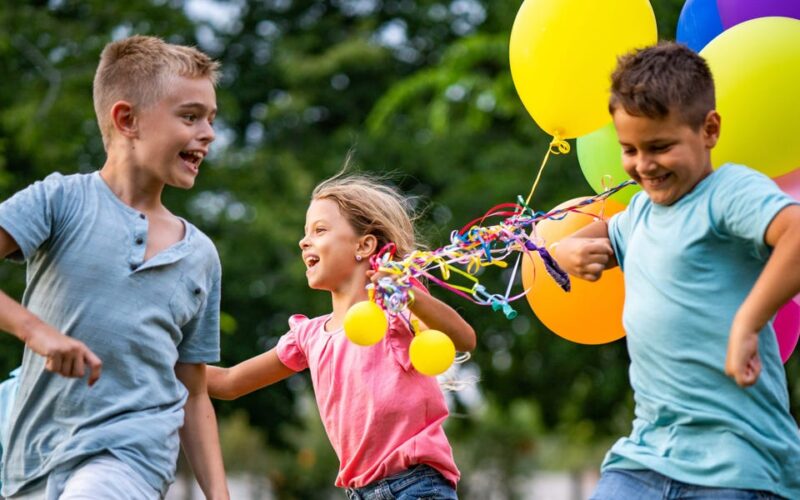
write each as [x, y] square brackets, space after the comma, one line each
[743, 362]
[375, 276]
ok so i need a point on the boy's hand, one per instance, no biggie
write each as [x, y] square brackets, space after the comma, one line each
[65, 355]
[584, 258]
[743, 363]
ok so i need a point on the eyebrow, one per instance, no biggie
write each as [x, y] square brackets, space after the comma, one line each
[197, 105]
[657, 140]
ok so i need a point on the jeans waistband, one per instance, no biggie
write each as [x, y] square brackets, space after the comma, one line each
[421, 469]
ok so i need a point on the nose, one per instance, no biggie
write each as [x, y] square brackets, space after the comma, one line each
[303, 242]
[641, 163]
[207, 134]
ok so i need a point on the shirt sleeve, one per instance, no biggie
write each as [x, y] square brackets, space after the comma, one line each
[398, 340]
[200, 343]
[620, 226]
[30, 216]
[744, 204]
[290, 349]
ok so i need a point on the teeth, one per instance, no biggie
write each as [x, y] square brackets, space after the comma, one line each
[197, 154]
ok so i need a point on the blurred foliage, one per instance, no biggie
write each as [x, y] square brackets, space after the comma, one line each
[421, 91]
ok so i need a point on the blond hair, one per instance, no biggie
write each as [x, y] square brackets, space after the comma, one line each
[372, 207]
[136, 69]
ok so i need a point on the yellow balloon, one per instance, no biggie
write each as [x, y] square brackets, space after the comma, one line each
[756, 68]
[432, 352]
[562, 53]
[365, 323]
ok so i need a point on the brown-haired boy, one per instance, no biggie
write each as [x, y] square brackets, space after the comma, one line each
[709, 256]
[114, 276]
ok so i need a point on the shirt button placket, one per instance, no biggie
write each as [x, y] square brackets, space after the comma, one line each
[137, 253]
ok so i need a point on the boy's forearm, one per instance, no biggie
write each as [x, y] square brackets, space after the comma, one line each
[200, 441]
[15, 319]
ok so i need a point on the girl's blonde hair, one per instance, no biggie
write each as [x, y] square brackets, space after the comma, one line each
[372, 207]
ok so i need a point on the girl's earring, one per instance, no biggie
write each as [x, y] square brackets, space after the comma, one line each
[358, 258]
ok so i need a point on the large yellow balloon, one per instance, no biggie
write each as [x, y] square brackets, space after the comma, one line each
[562, 53]
[756, 67]
[365, 323]
[432, 352]
[591, 313]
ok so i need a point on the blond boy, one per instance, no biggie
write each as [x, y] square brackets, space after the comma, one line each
[117, 281]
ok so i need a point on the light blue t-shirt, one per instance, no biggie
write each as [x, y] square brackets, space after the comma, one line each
[86, 276]
[688, 267]
[8, 392]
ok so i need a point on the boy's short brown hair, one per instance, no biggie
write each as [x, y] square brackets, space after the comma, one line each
[662, 78]
[135, 69]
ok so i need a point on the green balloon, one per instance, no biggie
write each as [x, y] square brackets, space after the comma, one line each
[600, 156]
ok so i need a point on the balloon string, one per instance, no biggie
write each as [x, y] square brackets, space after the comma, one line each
[557, 146]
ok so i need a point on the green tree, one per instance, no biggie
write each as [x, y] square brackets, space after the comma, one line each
[420, 90]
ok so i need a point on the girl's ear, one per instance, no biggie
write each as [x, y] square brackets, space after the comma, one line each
[367, 245]
[124, 119]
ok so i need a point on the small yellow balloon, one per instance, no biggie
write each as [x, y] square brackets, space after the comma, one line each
[365, 323]
[432, 352]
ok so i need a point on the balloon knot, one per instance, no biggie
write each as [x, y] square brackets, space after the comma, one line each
[559, 146]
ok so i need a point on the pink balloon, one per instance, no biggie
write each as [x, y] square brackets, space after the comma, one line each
[787, 328]
[790, 183]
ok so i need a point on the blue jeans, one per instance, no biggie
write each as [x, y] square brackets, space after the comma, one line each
[420, 482]
[621, 483]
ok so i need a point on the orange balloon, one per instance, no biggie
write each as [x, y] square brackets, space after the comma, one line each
[591, 313]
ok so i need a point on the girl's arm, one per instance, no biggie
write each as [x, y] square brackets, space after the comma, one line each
[439, 316]
[246, 377]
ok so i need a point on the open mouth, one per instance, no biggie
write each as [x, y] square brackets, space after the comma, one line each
[192, 159]
[655, 182]
[311, 261]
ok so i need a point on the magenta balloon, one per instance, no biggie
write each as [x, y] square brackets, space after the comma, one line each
[787, 328]
[733, 12]
[790, 183]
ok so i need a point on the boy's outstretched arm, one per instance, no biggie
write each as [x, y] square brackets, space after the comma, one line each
[65, 355]
[246, 377]
[586, 253]
[778, 282]
[199, 434]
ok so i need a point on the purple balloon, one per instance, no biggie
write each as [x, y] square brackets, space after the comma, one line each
[733, 12]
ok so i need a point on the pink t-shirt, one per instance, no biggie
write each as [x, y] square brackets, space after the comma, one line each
[381, 415]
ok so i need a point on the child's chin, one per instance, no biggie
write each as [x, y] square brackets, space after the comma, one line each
[182, 183]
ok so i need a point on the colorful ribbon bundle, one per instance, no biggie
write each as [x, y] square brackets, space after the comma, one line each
[472, 248]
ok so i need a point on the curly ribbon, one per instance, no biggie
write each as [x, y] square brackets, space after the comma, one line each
[474, 247]
[557, 146]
